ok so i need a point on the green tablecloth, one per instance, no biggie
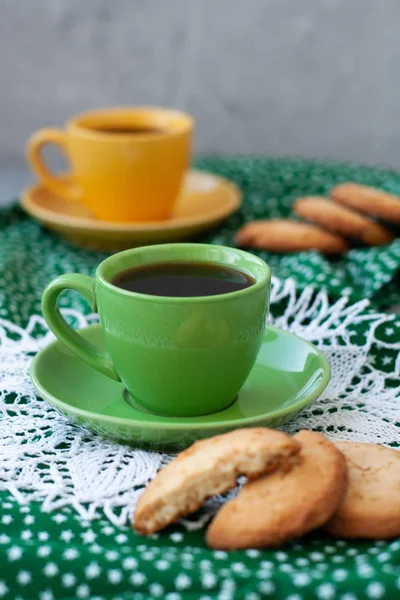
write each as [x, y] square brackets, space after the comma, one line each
[57, 555]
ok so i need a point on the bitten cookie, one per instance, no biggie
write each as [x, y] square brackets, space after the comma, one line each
[285, 504]
[342, 220]
[371, 506]
[209, 467]
[280, 235]
[368, 200]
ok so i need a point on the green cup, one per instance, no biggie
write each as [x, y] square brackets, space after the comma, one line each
[180, 357]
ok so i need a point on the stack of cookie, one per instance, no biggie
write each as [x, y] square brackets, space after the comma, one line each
[332, 225]
[294, 485]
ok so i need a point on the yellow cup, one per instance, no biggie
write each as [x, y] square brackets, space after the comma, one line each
[127, 164]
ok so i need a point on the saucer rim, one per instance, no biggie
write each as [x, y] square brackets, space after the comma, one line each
[245, 421]
[74, 223]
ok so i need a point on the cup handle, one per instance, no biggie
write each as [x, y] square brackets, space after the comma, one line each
[85, 285]
[61, 186]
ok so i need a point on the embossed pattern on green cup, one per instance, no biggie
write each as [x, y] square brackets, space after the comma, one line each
[180, 357]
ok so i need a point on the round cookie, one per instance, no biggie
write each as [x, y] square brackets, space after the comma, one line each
[209, 467]
[368, 200]
[370, 507]
[281, 235]
[342, 220]
[285, 504]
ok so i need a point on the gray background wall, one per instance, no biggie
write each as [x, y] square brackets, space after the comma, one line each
[302, 77]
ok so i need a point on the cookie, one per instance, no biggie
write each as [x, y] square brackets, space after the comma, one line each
[209, 467]
[280, 235]
[286, 503]
[342, 220]
[370, 507]
[368, 200]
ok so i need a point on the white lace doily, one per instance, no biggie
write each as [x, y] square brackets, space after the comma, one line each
[46, 458]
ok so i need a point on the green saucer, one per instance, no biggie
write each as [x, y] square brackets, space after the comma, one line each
[289, 374]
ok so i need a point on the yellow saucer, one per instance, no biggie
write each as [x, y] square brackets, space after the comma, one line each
[204, 201]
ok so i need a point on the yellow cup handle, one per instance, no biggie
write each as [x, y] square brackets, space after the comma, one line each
[60, 185]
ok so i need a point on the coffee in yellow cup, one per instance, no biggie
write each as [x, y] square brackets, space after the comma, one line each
[127, 164]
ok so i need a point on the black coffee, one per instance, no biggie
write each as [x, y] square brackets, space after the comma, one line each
[129, 129]
[183, 279]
